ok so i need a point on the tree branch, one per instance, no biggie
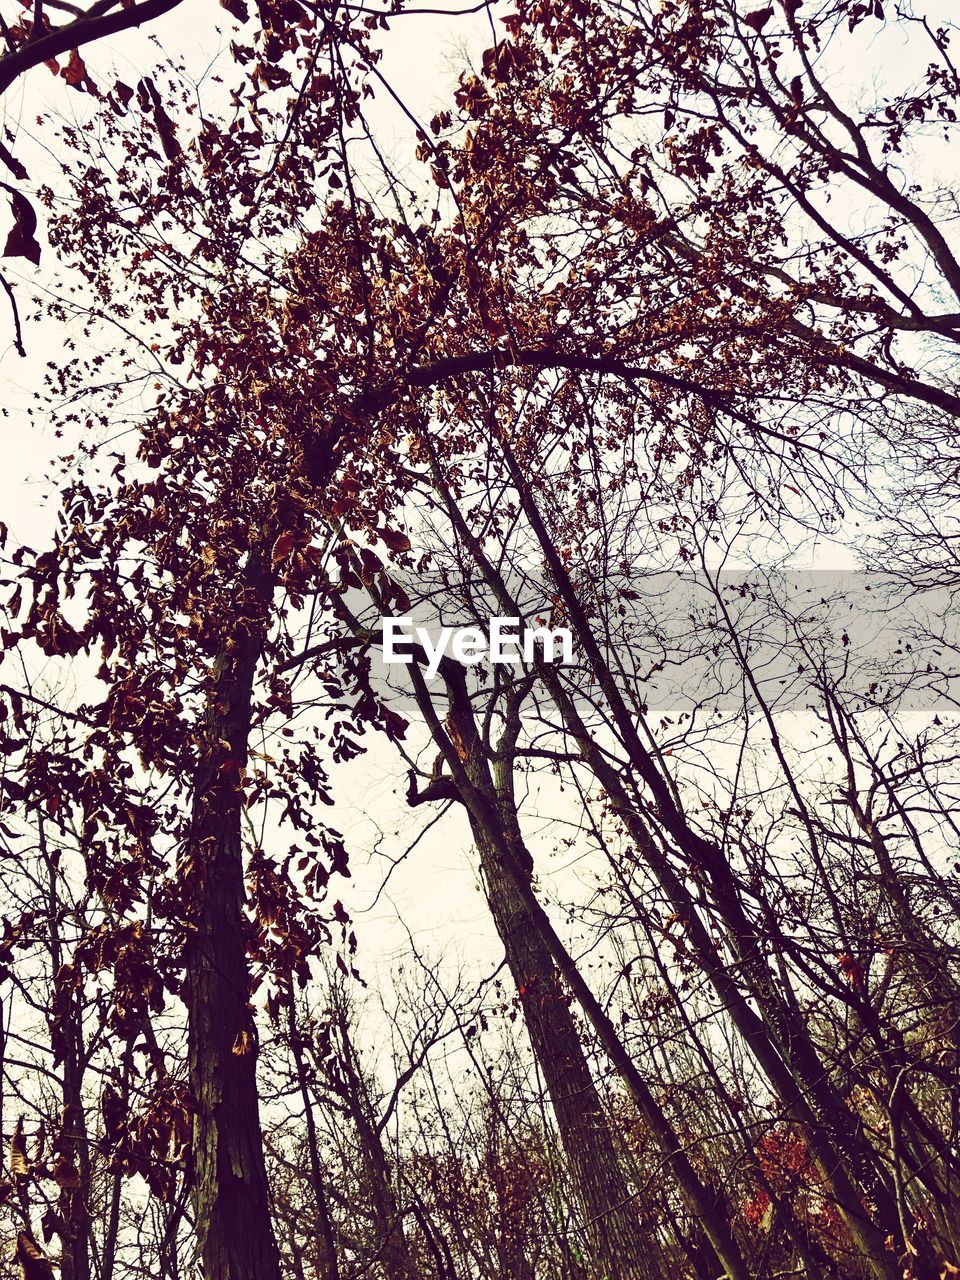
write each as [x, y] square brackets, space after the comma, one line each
[93, 25]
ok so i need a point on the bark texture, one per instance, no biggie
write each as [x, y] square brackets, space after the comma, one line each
[620, 1246]
[230, 1194]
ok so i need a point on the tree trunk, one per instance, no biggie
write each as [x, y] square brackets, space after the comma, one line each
[392, 1253]
[538, 961]
[620, 1246]
[230, 1193]
[71, 1147]
[328, 1242]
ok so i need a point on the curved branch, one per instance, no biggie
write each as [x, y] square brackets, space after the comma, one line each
[93, 25]
[17, 330]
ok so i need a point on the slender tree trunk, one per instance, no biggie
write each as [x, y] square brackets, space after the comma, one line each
[331, 1266]
[621, 1248]
[393, 1252]
[111, 1230]
[73, 1152]
[230, 1193]
[72, 1169]
[537, 956]
[112, 1227]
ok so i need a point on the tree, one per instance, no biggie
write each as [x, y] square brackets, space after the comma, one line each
[570, 347]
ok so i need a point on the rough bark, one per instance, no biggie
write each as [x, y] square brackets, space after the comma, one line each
[230, 1193]
[541, 965]
[621, 1248]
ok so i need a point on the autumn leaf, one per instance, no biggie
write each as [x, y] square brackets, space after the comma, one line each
[370, 565]
[39, 1144]
[473, 98]
[75, 74]
[114, 1114]
[52, 1224]
[33, 1265]
[851, 970]
[401, 598]
[243, 1043]
[148, 95]
[13, 164]
[168, 133]
[22, 241]
[66, 1174]
[282, 547]
[395, 540]
[123, 93]
[19, 1165]
[757, 20]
